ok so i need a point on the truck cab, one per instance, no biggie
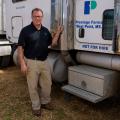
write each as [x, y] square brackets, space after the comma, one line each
[87, 55]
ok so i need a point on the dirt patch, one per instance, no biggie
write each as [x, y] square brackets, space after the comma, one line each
[15, 102]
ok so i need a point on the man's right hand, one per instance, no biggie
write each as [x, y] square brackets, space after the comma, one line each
[24, 68]
[21, 60]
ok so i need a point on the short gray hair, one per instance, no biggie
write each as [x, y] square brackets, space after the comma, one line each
[37, 9]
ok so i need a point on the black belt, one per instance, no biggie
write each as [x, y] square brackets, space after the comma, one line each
[37, 58]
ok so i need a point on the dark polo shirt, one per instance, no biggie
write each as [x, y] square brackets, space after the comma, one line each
[35, 42]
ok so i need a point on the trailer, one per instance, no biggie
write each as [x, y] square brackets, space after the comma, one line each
[87, 55]
[5, 47]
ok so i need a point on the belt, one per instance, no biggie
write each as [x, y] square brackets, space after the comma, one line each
[36, 58]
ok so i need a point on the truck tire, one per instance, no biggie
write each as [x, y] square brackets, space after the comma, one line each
[4, 61]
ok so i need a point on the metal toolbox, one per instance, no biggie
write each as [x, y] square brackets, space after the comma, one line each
[102, 82]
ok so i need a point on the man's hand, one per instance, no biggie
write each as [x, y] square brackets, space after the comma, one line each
[24, 68]
[21, 60]
[57, 35]
[60, 29]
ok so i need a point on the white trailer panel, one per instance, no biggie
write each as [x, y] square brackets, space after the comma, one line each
[90, 33]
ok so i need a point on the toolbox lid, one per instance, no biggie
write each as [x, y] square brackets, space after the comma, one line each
[93, 71]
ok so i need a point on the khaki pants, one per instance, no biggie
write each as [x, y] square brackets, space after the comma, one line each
[39, 82]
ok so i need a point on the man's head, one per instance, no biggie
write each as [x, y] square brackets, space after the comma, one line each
[37, 15]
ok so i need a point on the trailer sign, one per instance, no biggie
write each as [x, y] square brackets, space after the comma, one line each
[96, 47]
[93, 24]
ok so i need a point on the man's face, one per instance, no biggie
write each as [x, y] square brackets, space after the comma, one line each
[37, 18]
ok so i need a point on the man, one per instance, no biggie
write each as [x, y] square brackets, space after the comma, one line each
[33, 45]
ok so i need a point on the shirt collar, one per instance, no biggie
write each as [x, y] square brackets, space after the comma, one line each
[35, 27]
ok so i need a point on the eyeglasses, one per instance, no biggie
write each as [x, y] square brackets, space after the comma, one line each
[37, 16]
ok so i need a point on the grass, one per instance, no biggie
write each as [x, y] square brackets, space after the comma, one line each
[15, 102]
